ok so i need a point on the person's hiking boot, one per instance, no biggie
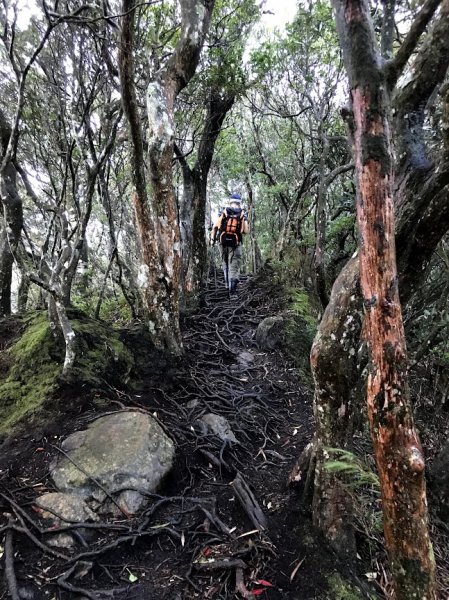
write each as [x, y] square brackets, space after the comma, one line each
[233, 288]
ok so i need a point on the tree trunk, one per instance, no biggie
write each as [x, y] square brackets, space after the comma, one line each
[422, 201]
[193, 207]
[22, 295]
[396, 446]
[256, 256]
[320, 225]
[198, 263]
[397, 449]
[11, 218]
[186, 220]
[336, 372]
[6, 264]
[439, 483]
[157, 221]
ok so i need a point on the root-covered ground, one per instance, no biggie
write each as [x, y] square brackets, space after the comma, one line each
[201, 536]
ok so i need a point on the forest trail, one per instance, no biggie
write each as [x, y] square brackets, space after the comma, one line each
[195, 539]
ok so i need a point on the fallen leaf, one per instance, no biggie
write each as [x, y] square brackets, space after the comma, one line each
[295, 570]
[247, 533]
[263, 582]
[160, 526]
[132, 578]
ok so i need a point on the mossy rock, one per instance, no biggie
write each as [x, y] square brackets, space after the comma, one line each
[31, 366]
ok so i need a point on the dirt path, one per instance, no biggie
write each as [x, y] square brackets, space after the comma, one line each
[197, 539]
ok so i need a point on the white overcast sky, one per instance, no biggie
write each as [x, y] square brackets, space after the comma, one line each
[283, 12]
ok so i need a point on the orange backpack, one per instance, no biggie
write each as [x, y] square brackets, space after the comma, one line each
[231, 227]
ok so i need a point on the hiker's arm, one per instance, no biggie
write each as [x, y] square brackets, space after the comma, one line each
[215, 228]
[245, 226]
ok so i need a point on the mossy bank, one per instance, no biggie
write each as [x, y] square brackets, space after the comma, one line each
[31, 365]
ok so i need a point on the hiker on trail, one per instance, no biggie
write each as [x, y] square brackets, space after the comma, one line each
[229, 229]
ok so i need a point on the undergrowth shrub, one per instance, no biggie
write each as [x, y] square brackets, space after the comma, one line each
[360, 481]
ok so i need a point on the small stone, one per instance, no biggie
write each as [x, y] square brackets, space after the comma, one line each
[193, 403]
[65, 508]
[219, 425]
[131, 501]
[245, 358]
[61, 540]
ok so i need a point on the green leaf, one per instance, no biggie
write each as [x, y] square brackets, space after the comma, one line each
[132, 578]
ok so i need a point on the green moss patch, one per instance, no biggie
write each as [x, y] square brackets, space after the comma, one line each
[33, 370]
[101, 355]
[339, 589]
[31, 366]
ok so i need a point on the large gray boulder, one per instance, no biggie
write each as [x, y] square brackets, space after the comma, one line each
[270, 333]
[125, 455]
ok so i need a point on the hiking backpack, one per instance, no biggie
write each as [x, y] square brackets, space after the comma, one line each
[231, 227]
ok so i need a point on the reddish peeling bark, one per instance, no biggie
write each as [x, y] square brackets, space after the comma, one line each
[421, 196]
[397, 449]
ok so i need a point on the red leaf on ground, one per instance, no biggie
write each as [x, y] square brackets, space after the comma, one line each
[264, 582]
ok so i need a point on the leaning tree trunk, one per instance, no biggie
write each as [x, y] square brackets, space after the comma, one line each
[157, 219]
